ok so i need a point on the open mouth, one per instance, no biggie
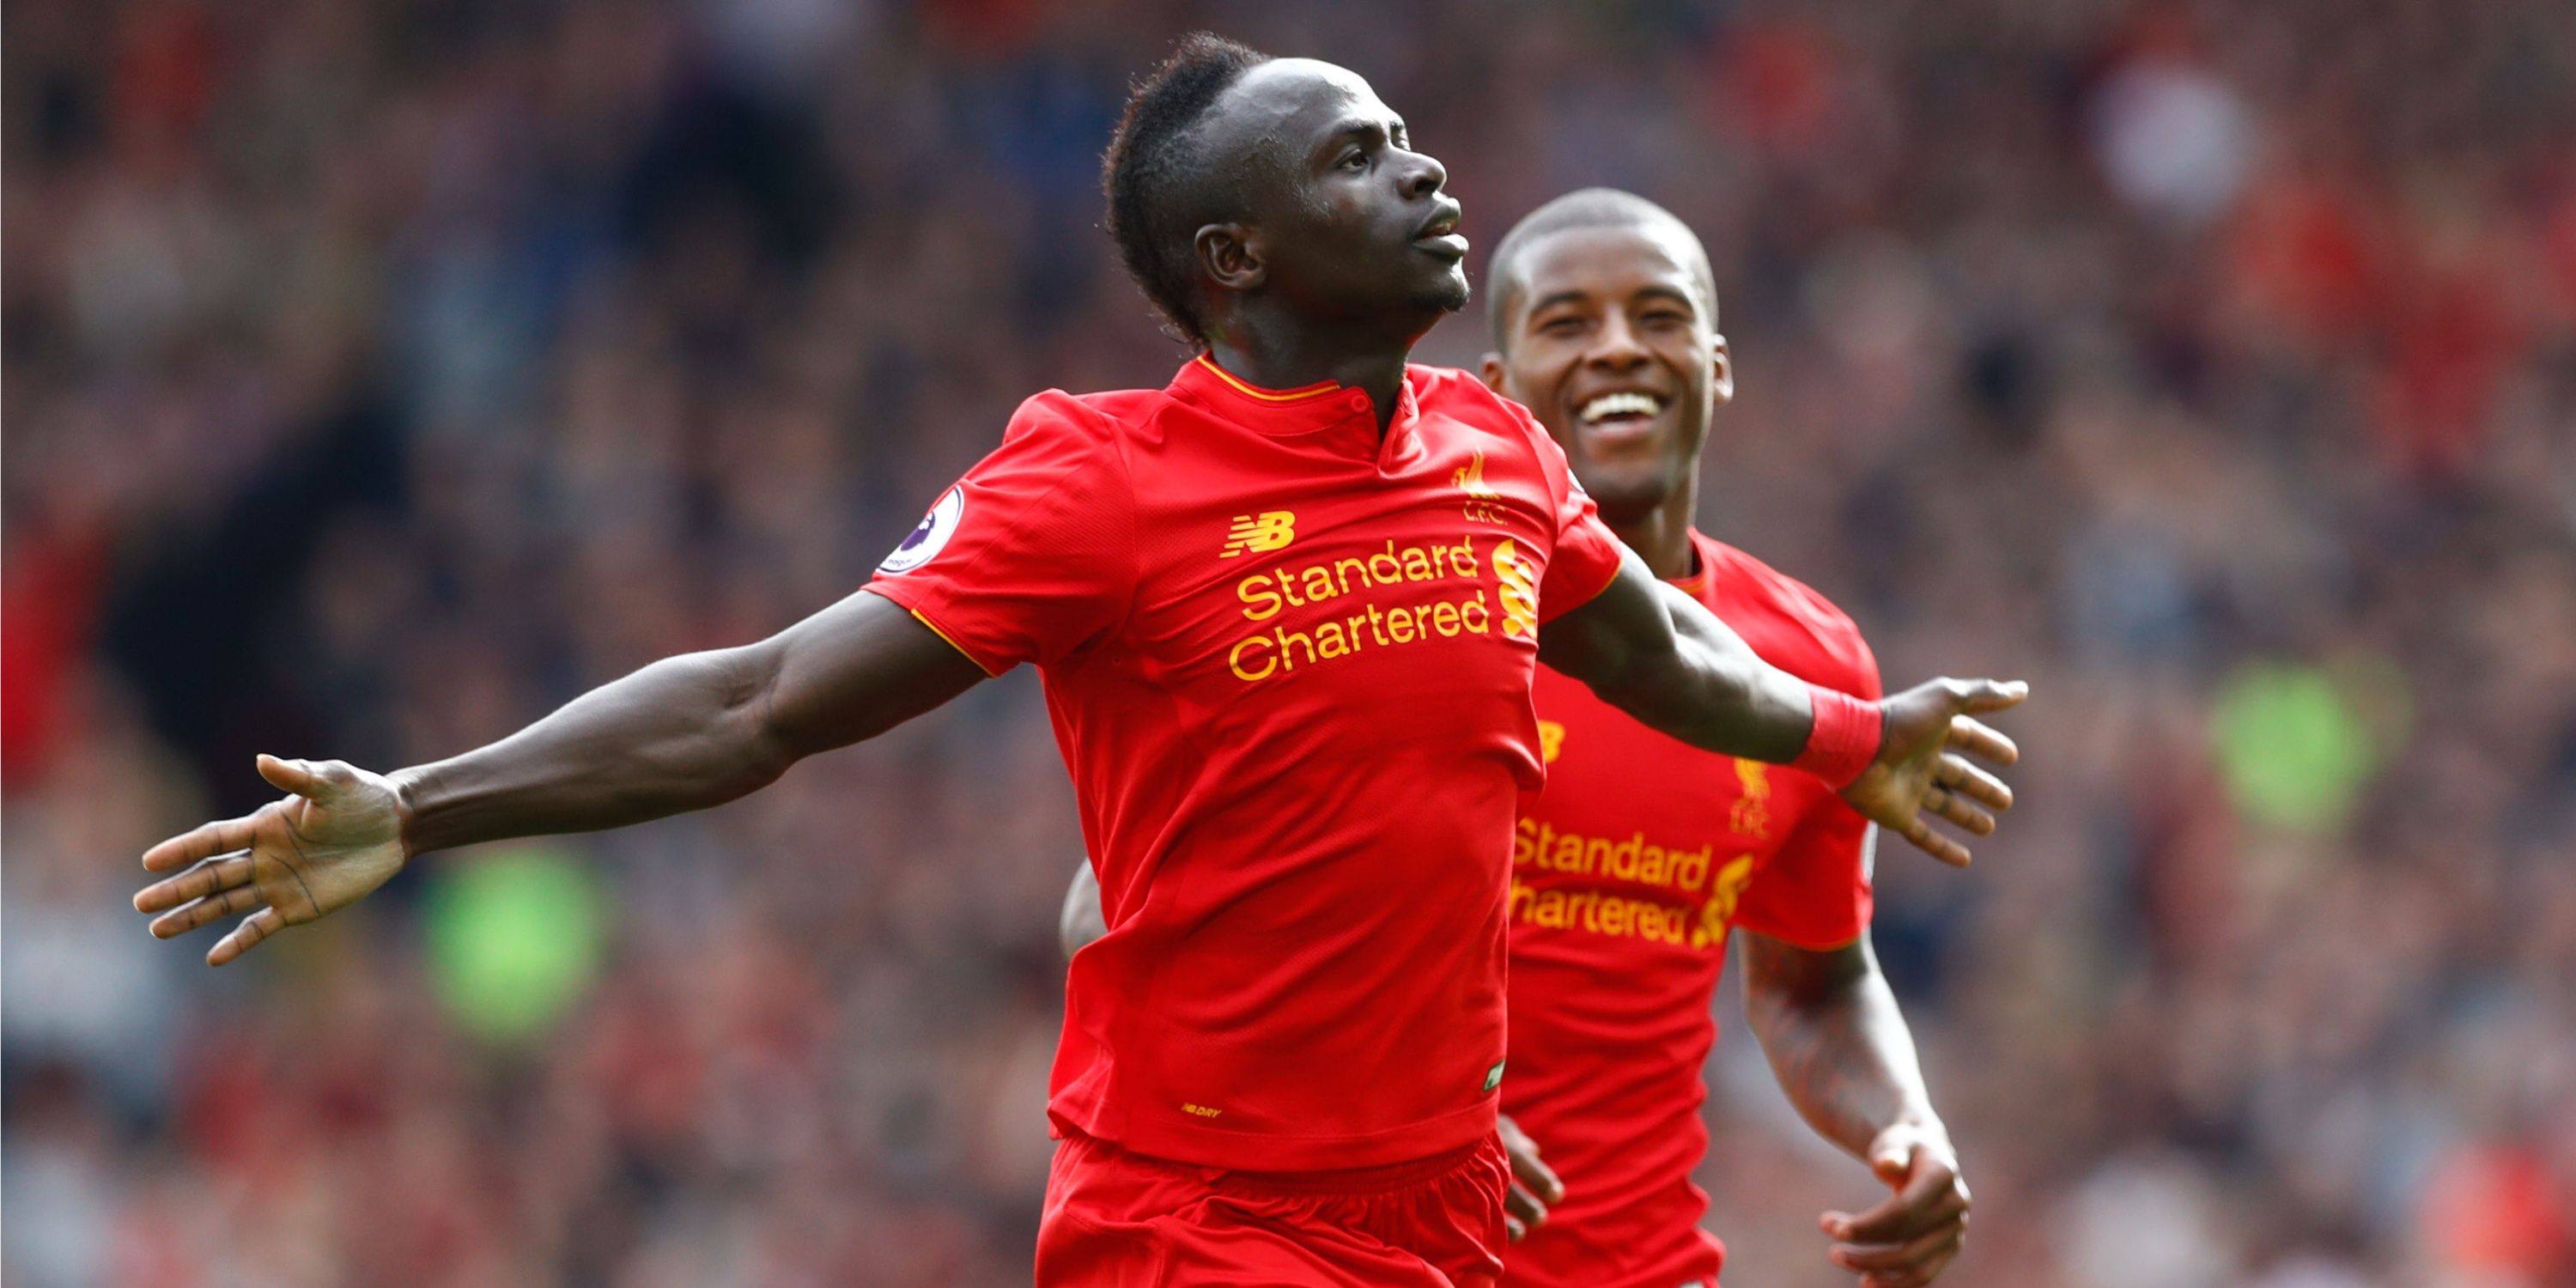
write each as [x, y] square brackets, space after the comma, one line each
[1619, 409]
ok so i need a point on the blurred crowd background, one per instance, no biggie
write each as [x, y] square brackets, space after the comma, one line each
[381, 373]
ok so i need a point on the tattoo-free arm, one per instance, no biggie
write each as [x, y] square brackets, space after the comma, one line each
[684, 733]
[1656, 654]
[692, 731]
[1663, 658]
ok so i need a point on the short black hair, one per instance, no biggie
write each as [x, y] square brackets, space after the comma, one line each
[1158, 177]
[1582, 208]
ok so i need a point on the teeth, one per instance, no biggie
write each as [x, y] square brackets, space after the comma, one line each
[1608, 405]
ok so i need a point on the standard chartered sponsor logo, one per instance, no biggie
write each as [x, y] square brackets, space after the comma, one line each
[1358, 617]
[1675, 879]
[1519, 593]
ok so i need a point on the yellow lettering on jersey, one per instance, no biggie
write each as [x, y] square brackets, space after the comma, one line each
[1199, 1111]
[1519, 593]
[1719, 912]
[1259, 533]
[1551, 740]
[1350, 628]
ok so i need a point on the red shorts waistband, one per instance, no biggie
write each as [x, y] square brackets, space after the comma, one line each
[1363, 1180]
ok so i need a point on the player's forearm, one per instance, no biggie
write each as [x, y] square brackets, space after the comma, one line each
[1665, 660]
[1721, 696]
[1716, 698]
[684, 733]
[1837, 1042]
[692, 731]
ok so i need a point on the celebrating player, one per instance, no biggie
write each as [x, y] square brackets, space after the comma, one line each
[1632, 867]
[1286, 609]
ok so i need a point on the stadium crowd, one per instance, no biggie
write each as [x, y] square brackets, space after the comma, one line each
[380, 374]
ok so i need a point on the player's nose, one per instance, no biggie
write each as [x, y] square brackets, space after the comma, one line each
[1615, 344]
[1425, 177]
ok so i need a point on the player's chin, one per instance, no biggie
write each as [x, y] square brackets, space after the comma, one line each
[1625, 492]
[1446, 290]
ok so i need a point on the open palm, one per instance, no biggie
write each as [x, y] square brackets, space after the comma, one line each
[334, 837]
[1920, 773]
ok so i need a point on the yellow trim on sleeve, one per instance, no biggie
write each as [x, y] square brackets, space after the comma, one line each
[952, 641]
[1293, 395]
[1596, 591]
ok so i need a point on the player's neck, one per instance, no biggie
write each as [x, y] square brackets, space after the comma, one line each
[1661, 536]
[1277, 352]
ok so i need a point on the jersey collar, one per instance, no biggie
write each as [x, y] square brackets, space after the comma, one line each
[1705, 551]
[1302, 410]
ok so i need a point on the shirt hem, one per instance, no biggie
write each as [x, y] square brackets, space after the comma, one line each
[1263, 1152]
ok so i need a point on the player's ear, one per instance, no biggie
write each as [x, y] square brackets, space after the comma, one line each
[1721, 384]
[1230, 256]
[1493, 372]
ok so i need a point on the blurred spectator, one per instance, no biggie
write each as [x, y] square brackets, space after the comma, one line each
[379, 374]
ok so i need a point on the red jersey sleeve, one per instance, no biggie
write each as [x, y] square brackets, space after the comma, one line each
[1587, 553]
[1032, 554]
[1815, 892]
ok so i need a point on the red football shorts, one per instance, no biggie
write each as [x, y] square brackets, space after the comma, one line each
[1116, 1219]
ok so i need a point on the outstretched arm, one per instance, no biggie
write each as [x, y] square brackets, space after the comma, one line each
[691, 732]
[1673, 665]
[1655, 653]
[1840, 1049]
[684, 733]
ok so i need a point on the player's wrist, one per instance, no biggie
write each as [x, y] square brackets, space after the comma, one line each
[1917, 1125]
[1843, 737]
[405, 786]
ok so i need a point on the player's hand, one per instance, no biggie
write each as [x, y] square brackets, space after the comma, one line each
[1920, 773]
[1533, 1186]
[336, 835]
[1908, 1240]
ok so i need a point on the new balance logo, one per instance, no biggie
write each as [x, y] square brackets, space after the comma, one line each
[1259, 533]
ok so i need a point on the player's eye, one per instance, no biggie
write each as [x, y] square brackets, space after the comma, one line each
[1563, 324]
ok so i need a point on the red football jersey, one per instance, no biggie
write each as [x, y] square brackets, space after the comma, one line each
[1627, 874]
[1289, 666]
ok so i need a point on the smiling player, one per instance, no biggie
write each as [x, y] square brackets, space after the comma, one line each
[1286, 609]
[1633, 867]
